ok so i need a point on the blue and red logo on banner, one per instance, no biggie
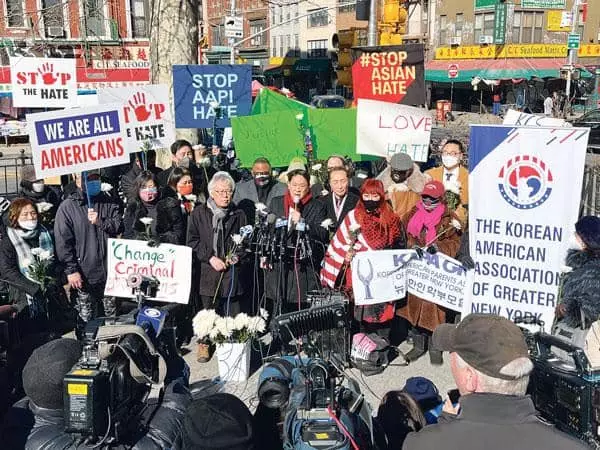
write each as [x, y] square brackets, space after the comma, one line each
[525, 182]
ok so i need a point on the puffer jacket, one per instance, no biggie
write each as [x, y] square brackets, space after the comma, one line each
[27, 426]
[168, 225]
[81, 246]
[581, 287]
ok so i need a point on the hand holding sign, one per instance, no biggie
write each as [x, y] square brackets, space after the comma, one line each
[47, 73]
[138, 105]
[92, 216]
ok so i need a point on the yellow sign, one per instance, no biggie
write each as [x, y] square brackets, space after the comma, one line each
[77, 389]
[82, 372]
[513, 51]
[554, 21]
[280, 60]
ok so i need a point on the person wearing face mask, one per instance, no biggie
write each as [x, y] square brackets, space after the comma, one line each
[341, 200]
[378, 229]
[46, 198]
[431, 226]
[262, 188]
[580, 284]
[182, 156]
[137, 167]
[451, 171]
[145, 200]
[81, 232]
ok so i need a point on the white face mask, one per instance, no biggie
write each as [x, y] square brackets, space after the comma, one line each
[37, 187]
[28, 224]
[575, 244]
[449, 161]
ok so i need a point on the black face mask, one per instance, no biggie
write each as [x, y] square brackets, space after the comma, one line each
[371, 205]
[400, 176]
[262, 180]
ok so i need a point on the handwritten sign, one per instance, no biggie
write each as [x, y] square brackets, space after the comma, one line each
[69, 141]
[170, 264]
[384, 129]
[202, 91]
[522, 119]
[147, 114]
[43, 82]
[395, 75]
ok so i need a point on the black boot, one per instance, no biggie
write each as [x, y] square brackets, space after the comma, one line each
[419, 347]
[435, 357]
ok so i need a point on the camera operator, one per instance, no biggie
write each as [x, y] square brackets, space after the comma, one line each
[37, 421]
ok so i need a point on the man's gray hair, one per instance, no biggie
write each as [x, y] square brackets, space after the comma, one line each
[520, 369]
[218, 177]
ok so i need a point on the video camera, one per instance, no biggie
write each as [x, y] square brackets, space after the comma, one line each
[123, 359]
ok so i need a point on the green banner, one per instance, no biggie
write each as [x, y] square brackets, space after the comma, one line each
[333, 132]
[500, 23]
[480, 4]
[544, 4]
[275, 136]
[268, 101]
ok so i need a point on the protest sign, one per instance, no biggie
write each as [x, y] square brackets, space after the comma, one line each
[170, 264]
[43, 82]
[275, 136]
[393, 74]
[200, 91]
[520, 223]
[147, 114]
[436, 278]
[73, 140]
[383, 129]
[333, 131]
[522, 119]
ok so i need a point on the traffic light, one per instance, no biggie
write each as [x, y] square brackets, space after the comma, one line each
[393, 25]
[343, 41]
[363, 8]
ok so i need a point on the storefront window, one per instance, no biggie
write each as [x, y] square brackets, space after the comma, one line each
[319, 18]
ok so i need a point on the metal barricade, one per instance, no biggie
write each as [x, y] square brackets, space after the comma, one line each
[10, 172]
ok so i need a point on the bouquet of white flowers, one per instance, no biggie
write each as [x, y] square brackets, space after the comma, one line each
[39, 268]
[210, 327]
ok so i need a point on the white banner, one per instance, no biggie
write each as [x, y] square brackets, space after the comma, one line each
[522, 209]
[147, 114]
[73, 140]
[383, 129]
[522, 119]
[170, 264]
[386, 275]
[43, 82]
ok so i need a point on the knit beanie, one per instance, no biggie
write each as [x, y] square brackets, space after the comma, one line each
[588, 229]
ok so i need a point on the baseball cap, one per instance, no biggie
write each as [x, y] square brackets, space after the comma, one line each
[401, 161]
[433, 189]
[486, 342]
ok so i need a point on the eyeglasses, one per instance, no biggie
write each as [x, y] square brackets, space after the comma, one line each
[223, 193]
[451, 153]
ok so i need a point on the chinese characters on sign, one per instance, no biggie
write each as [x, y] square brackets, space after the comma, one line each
[500, 23]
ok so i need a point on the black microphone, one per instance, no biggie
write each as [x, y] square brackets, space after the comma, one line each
[280, 236]
[267, 235]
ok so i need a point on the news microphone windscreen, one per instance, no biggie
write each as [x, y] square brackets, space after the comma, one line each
[296, 199]
[152, 317]
[271, 218]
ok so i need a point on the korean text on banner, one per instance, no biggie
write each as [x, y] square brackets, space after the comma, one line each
[520, 223]
[383, 129]
[170, 264]
[522, 119]
[147, 115]
[43, 82]
[198, 89]
[275, 136]
[73, 140]
[393, 74]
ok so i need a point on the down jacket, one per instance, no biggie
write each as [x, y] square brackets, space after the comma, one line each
[581, 287]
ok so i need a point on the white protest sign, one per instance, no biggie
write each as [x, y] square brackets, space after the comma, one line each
[43, 82]
[522, 119]
[383, 129]
[170, 264]
[521, 216]
[73, 140]
[147, 114]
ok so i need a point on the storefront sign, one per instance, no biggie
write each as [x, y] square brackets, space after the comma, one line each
[482, 4]
[559, 21]
[544, 4]
[512, 51]
[500, 23]
[396, 75]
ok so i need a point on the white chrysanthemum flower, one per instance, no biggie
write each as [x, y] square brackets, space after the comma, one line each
[214, 104]
[191, 197]
[146, 220]
[327, 223]
[257, 325]
[260, 207]
[26, 262]
[42, 207]
[316, 167]
[241, 321]
[106, 187]
[36, 251]
[262, 312]
[204, 322]
[237, 238]
[225, 326]
[324, 193]
[566, 269]
[456, 224]
[355, 228]
[452, 186]
[46, 255]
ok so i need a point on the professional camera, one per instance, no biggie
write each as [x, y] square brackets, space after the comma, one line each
[123, 359]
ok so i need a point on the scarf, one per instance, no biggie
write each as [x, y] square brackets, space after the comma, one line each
[24, 254]
[288, 202]
[217, 222]
[379, 233]
[425, 219]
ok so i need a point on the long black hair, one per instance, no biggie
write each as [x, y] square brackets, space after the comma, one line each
[133, 196]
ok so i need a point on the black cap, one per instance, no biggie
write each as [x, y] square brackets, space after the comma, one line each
[588, 229]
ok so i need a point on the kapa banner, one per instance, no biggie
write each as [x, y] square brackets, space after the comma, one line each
[170, 264]
[202, 91]
[384, 129]
[146, 114]
[73, 140]
[43, 82]
[521, 214]
[393, 74]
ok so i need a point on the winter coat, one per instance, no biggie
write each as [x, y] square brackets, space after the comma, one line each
[27, 426]
[128, 178]
[492, 422]
[81, 246]
[200, 238]
[349, 204]
[49, 195]
[167, 227]
[308, 270]
[200, 178]
[417, 311]
[246, 196]
[581, 287]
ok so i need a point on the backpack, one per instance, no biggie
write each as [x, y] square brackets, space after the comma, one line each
[369, 353]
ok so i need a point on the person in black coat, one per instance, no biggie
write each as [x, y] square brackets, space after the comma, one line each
[210, 230]
[145, 201]
[341, 200]
[137, 167]
[46, 198]
[291, 279]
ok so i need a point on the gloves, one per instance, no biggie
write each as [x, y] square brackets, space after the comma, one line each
[467, 262]
[419, 251]
[153, 242]
[432, 250]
